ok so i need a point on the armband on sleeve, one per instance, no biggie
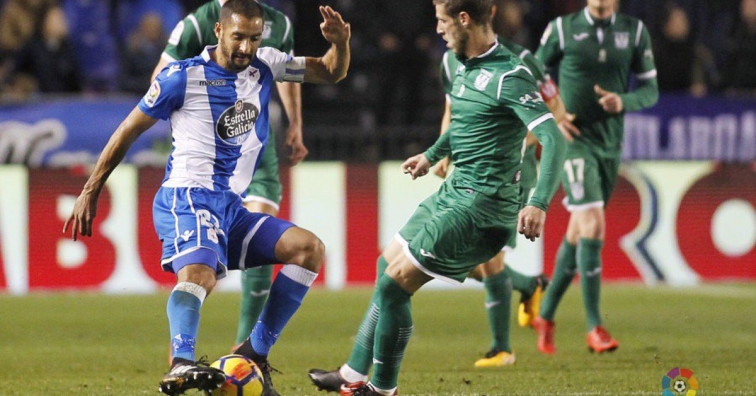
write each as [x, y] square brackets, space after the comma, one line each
[549, 90]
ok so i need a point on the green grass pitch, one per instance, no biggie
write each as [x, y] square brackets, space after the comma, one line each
[90, 344]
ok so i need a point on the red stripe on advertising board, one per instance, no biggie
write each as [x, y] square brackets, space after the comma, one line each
[361, 223]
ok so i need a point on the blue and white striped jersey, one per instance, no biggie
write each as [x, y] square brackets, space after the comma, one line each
[219, 119]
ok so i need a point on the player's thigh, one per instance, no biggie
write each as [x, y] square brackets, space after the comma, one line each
[456, 240]
[423, 213]
[266, 183]
[191, 223]
[590, 222]
[493, 266]
[581, 178]
[406, 274]
[253, 238]
[609, 172]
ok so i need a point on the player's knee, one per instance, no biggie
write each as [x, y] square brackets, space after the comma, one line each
[311, 252]
[199, 274]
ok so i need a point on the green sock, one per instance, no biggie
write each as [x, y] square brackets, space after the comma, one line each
[564, 272]
[589, 266]
[392, 333]
[522, 283]
[499, 306]
[362, 352]
[255, 287]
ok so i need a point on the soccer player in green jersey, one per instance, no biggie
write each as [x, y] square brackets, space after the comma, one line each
[495, 101]
[596, 50]
[495, 275]
[188, 39]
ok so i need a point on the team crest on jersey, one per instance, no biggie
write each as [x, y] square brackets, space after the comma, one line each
[482, 80]
[153, 94]
[621, 39]
[236, 121]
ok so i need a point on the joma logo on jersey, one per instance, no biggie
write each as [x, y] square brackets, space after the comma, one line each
[533, 97]
[236, 121]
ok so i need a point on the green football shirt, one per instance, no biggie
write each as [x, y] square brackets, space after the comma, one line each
[494, 102]
[450, 65]
[197, 30]
[606, 52]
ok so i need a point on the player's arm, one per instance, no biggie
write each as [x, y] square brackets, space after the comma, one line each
[331, 67]
[548, 89]
[447, 80]
[184, 42]
[646, 94]
[124, 136]
[165, 95]
[442, 166]
[291, 98]
[519, 93]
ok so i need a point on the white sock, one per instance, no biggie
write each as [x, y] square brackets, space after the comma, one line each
[384, 392]
[351, 375]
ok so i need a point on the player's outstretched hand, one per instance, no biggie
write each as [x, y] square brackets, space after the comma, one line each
[441, 168]
[568, 129]
[609, 101]
[416, 166]
[333, 27]
[530, 222]
[295, 145]
[83, 214]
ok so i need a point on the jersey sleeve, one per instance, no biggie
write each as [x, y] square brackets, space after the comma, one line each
[287, 45]
[166, 93]
[546, 85]
[518, 91]
[447, 74]
[646, 94]
[184, 41]
[552, 44]
[283, 66]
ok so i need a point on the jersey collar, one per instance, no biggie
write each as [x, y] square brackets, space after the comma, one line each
[592, 22]
[210, 62]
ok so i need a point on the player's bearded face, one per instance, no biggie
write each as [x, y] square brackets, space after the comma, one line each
[602, 4]
[239, 38]
[451, 30]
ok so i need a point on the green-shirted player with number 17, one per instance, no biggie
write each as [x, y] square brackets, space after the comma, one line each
[188, 39]
[495, 101]
[596, 50]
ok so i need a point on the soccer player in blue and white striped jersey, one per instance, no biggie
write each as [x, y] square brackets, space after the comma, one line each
[217, 104]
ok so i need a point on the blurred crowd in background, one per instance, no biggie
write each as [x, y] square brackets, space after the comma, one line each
[702, 47]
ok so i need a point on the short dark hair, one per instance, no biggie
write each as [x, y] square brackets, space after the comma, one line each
[246, 8]
[479, 10]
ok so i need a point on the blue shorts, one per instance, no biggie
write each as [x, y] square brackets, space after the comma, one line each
[200, 226]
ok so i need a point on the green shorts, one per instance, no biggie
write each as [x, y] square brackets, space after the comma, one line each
[524, 198]
[587, 178]
[266, 184]
[456, 229]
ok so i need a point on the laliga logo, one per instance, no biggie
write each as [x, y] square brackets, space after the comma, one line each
[679, 382]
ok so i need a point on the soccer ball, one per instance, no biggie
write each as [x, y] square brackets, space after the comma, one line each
[243, 377]
[679, 386]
